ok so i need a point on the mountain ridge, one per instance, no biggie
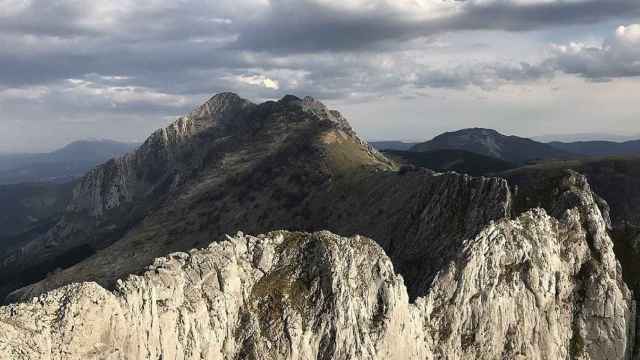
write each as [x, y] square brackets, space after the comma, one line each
[491, 143]
[296, 295]
[208, 145]
[291, 164]
[600, 148]
[457, 266]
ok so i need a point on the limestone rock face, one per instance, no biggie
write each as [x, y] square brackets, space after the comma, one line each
[138, 174]
[536, 287]
[281, 296]
[530, 288]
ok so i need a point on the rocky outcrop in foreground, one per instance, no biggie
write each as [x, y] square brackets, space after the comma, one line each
[530, 288]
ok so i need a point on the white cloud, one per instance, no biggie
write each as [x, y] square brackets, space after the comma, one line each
[618, 56]
[114, 78]
[13, 7]
[24, 93]
[630, 34]
[259, 80]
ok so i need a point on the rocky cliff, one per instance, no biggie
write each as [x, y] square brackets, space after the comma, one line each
[458, 266]
[536, 287]
[233, 166]
[530, 288]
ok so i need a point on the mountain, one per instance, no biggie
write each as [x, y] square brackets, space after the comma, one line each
[232, 165]
[491, 143]
[568, 138]
[62, 165]
[291, 295]
[452, 160]
[392, 145]
[424, 264]
[600, 148]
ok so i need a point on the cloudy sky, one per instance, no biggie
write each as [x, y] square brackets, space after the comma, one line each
[398, 69]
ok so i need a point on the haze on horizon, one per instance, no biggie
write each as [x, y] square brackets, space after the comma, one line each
[403, 69]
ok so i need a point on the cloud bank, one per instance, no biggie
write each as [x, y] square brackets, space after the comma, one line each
[95, 62]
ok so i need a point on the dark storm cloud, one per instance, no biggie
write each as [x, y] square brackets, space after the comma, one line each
[505, 15]
[484, 76]
[84, 61]
[308, 26]
[169, 44]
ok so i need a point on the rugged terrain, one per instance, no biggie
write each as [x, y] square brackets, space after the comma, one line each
[458, 266]
[616, 179]
[529, 288]
[235, 166]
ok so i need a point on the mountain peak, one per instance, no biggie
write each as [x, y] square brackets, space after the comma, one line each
[220, 103]
[491, 143]
[307, 103]
[477, 131]
[228, 148]
[290, 99]
[225, 97]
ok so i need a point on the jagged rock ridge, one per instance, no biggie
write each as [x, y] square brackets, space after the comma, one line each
[234, 166]
[485, 277]
[533, 287]
[206, 151]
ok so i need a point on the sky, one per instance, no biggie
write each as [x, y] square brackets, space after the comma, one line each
[397, 69]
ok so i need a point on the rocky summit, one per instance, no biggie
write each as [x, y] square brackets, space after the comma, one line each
[377, 261]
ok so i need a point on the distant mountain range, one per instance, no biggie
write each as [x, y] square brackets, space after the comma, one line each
[600, 148]
[62, 165]
[584, 137]
[491, 143]
[512, 149]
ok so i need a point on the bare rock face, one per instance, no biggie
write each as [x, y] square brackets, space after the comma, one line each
[530, 288]
[281, 296]
[536, 287]
[461, 267]
[159, 160]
